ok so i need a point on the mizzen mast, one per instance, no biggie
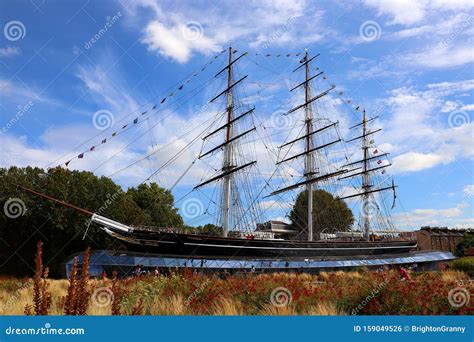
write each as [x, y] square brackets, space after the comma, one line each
[367, 188]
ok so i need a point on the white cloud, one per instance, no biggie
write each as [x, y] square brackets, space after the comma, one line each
[407, 12]
[107, 88]
[440, 56]
[449, 106]
[449, 217]
[189, 28]
[178, 41]
[419, 131]
[469, 189]
[402, 11]
[413, 161]
[469, 107]
[9, 51]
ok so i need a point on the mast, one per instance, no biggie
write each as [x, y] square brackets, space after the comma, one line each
[365, 178]
[367, 169]
[227, 186]
[231, 137]
[309, 155]
[311, 129]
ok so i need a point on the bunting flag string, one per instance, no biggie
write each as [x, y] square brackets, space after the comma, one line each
[347, 101]
[172, 94]
[153, 108]
[278, 55]
[357, 108]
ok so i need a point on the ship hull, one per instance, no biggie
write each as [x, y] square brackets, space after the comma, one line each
[207, 246]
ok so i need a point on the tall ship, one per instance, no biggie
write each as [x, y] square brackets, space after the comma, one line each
[312, 156]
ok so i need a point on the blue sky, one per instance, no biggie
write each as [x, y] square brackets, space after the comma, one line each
[409, 62]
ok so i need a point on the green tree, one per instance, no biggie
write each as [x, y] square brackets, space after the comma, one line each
[207, 229]
[466, 243]
[329, 214]
[62, 229]
[158, 203]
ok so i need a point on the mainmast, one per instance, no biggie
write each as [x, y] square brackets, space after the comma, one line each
[227, 165]
[309, 155]
[310, 175]
[231, 137]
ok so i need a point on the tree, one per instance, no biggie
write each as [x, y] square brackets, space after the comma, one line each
[466, 243]
[158, 203]
[329, 214]
[62, 229]
[207, 229]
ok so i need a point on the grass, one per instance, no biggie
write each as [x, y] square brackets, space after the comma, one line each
[186, 294]
[465, 264]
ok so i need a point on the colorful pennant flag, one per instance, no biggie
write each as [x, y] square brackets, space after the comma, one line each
[80, 156]
[181, 87]
[379, 162]
[92, 148]
[376, 151]
[104, 141]
[135, 121]
[67, 163]
[164, 99]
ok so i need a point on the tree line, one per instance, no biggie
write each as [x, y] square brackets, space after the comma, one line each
[27, 219]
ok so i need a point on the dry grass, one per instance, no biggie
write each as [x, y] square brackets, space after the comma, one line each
[181, 294]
